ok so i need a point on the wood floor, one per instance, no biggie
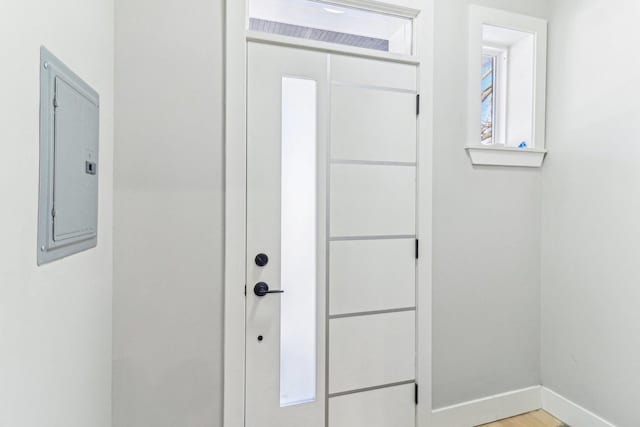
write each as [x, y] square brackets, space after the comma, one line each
[532, 419]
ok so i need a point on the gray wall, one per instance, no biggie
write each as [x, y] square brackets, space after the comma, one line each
[55, 320]
[591, 209]
[169, 209]
[486, 288]
[168, 229]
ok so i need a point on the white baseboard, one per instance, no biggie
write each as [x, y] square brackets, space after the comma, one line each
[570, 413]
[489, 409]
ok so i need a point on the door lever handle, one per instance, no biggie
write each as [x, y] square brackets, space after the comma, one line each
[261, 289]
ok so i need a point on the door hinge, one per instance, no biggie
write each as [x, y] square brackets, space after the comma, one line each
[417, 248]
[245, 290]
[53, 212]
[418, 105]
[55, 102]
[416, 394]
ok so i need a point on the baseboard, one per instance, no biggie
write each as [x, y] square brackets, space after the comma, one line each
[570, 413]
[489, 409]
[506, 405]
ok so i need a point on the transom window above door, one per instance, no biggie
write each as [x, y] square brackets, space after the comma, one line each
[333, 23]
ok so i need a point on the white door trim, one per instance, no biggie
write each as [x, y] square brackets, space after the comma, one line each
[236, 38]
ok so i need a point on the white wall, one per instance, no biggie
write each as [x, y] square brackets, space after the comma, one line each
[55, 320]
[169, 208]
[486, 287]
[591, 209]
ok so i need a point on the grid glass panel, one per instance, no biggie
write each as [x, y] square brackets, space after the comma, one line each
[331, 23]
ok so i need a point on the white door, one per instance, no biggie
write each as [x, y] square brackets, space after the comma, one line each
[331, 238]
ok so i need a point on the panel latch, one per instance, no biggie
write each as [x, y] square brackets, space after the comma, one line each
[90, 167]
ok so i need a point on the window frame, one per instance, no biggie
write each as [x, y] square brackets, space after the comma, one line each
[496, 154]
[389, 7]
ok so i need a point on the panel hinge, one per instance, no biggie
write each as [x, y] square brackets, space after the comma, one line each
[53, 212]
[245, 290]
[417, 104]
[416, 394]
[417, 248]
[55, 102]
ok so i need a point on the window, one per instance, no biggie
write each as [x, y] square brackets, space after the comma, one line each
[333, 23]
[508, 73]
[493, 94]
[486, 96]
[506, 114]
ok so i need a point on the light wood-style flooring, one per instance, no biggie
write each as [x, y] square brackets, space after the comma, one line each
[532, 419]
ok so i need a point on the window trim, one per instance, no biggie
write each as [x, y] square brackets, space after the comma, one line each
[497, 154]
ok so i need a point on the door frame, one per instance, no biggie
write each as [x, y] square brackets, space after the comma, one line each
[236, 39]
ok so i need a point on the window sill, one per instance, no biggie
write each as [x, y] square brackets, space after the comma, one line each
[505, 156]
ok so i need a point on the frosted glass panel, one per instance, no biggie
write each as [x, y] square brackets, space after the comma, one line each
[298, 240]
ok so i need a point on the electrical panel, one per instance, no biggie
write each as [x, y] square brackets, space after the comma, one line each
[69, 167]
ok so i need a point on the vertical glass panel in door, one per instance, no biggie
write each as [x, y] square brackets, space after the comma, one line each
[298, 242]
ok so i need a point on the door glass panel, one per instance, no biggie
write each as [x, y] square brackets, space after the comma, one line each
[333, 23]
[298, 242]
